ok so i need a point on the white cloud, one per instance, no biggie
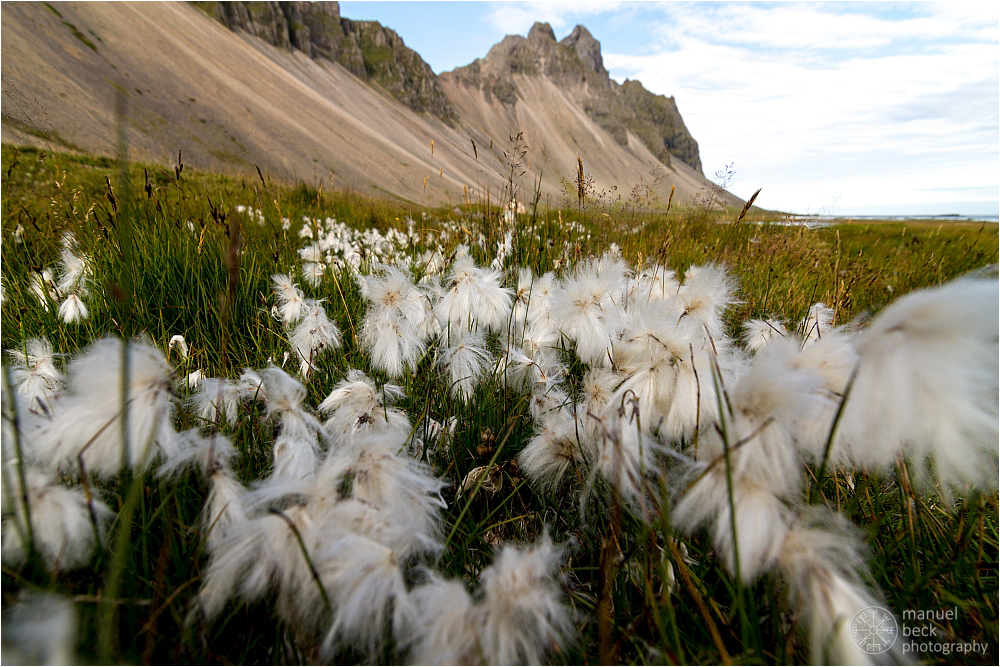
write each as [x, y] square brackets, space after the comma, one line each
[516, 18]
[817, 104]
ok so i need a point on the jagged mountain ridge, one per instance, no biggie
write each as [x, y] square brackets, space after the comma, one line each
[283, 88]
[576, 65]
[370, 50]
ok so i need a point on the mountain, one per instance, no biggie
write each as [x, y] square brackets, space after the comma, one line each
[575, 65]
[306, 94]
[365, 48]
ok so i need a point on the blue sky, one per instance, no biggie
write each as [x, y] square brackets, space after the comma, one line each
[844, 108]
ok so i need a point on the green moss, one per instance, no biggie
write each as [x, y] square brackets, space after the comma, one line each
[35, 131]
[80, 36]
[207, 7]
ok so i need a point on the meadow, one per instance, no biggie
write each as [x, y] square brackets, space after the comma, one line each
[388, 435]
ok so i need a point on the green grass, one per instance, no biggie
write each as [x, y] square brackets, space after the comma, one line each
[159, 241]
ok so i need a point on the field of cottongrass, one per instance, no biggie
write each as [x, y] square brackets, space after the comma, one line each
[252, 423]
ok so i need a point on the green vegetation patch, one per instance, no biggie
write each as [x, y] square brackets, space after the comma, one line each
[177, 251]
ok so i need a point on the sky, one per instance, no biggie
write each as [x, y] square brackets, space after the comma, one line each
[848, 108]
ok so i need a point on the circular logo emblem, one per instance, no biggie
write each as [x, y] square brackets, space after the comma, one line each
[874, 630]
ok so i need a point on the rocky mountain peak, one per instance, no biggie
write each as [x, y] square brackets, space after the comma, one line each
[587, 49]
[575, 64]
[541, 32]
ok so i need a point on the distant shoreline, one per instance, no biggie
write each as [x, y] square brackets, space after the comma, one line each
[817, 221]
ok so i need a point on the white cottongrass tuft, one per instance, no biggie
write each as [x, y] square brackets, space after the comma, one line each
[401, 491]
[296, 450]
[312, 335]
[177, 342]
[816, 323]
[217, 398]
[521, 301]
[365, 585]
[624, 452]
[475, 300]
[757, 333]
[467, 361]
[252, 557]
[73, 309]
[74, 269]
[212, 457]
[365, 511]
[251, 385]
[926, 384]
[556, 446]
[223, 508]
[290, 301]
[88, 424]
[64, 525]
[193, 380]
[357, 405]
[313, 264]
[522, 611]
[759, 424]
[40, 629]
[586, 311]
[707, 291]
[393, 332]
[34, 375]
[821, 562]
[758, 429]
[43, 286]
[440, 626]
[668, 364]
[654, 283]
[203, 453]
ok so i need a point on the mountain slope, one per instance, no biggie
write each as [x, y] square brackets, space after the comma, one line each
[366, 49]
[226, 99]
[575, 65]
[230, 98]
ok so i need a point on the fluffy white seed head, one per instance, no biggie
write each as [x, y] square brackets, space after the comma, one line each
[816, 323]
[62, 521]
[757, 333]
[289, 299]
[707, 291]
[522, 611]
[35, 376]
[367, 592]
[586, 311]
[765, 405]
[217, 399]
[820, 560]
[555, 447]
[402, 492]
[926, 384]
[88, 424]
[73, 309]
[206, 454]
[177, 342]
[441, 624]
[40, 629]
[73, 272]
[314, 334]
[467, 361]
[43, 286]
[475, 299]
[357, 406]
